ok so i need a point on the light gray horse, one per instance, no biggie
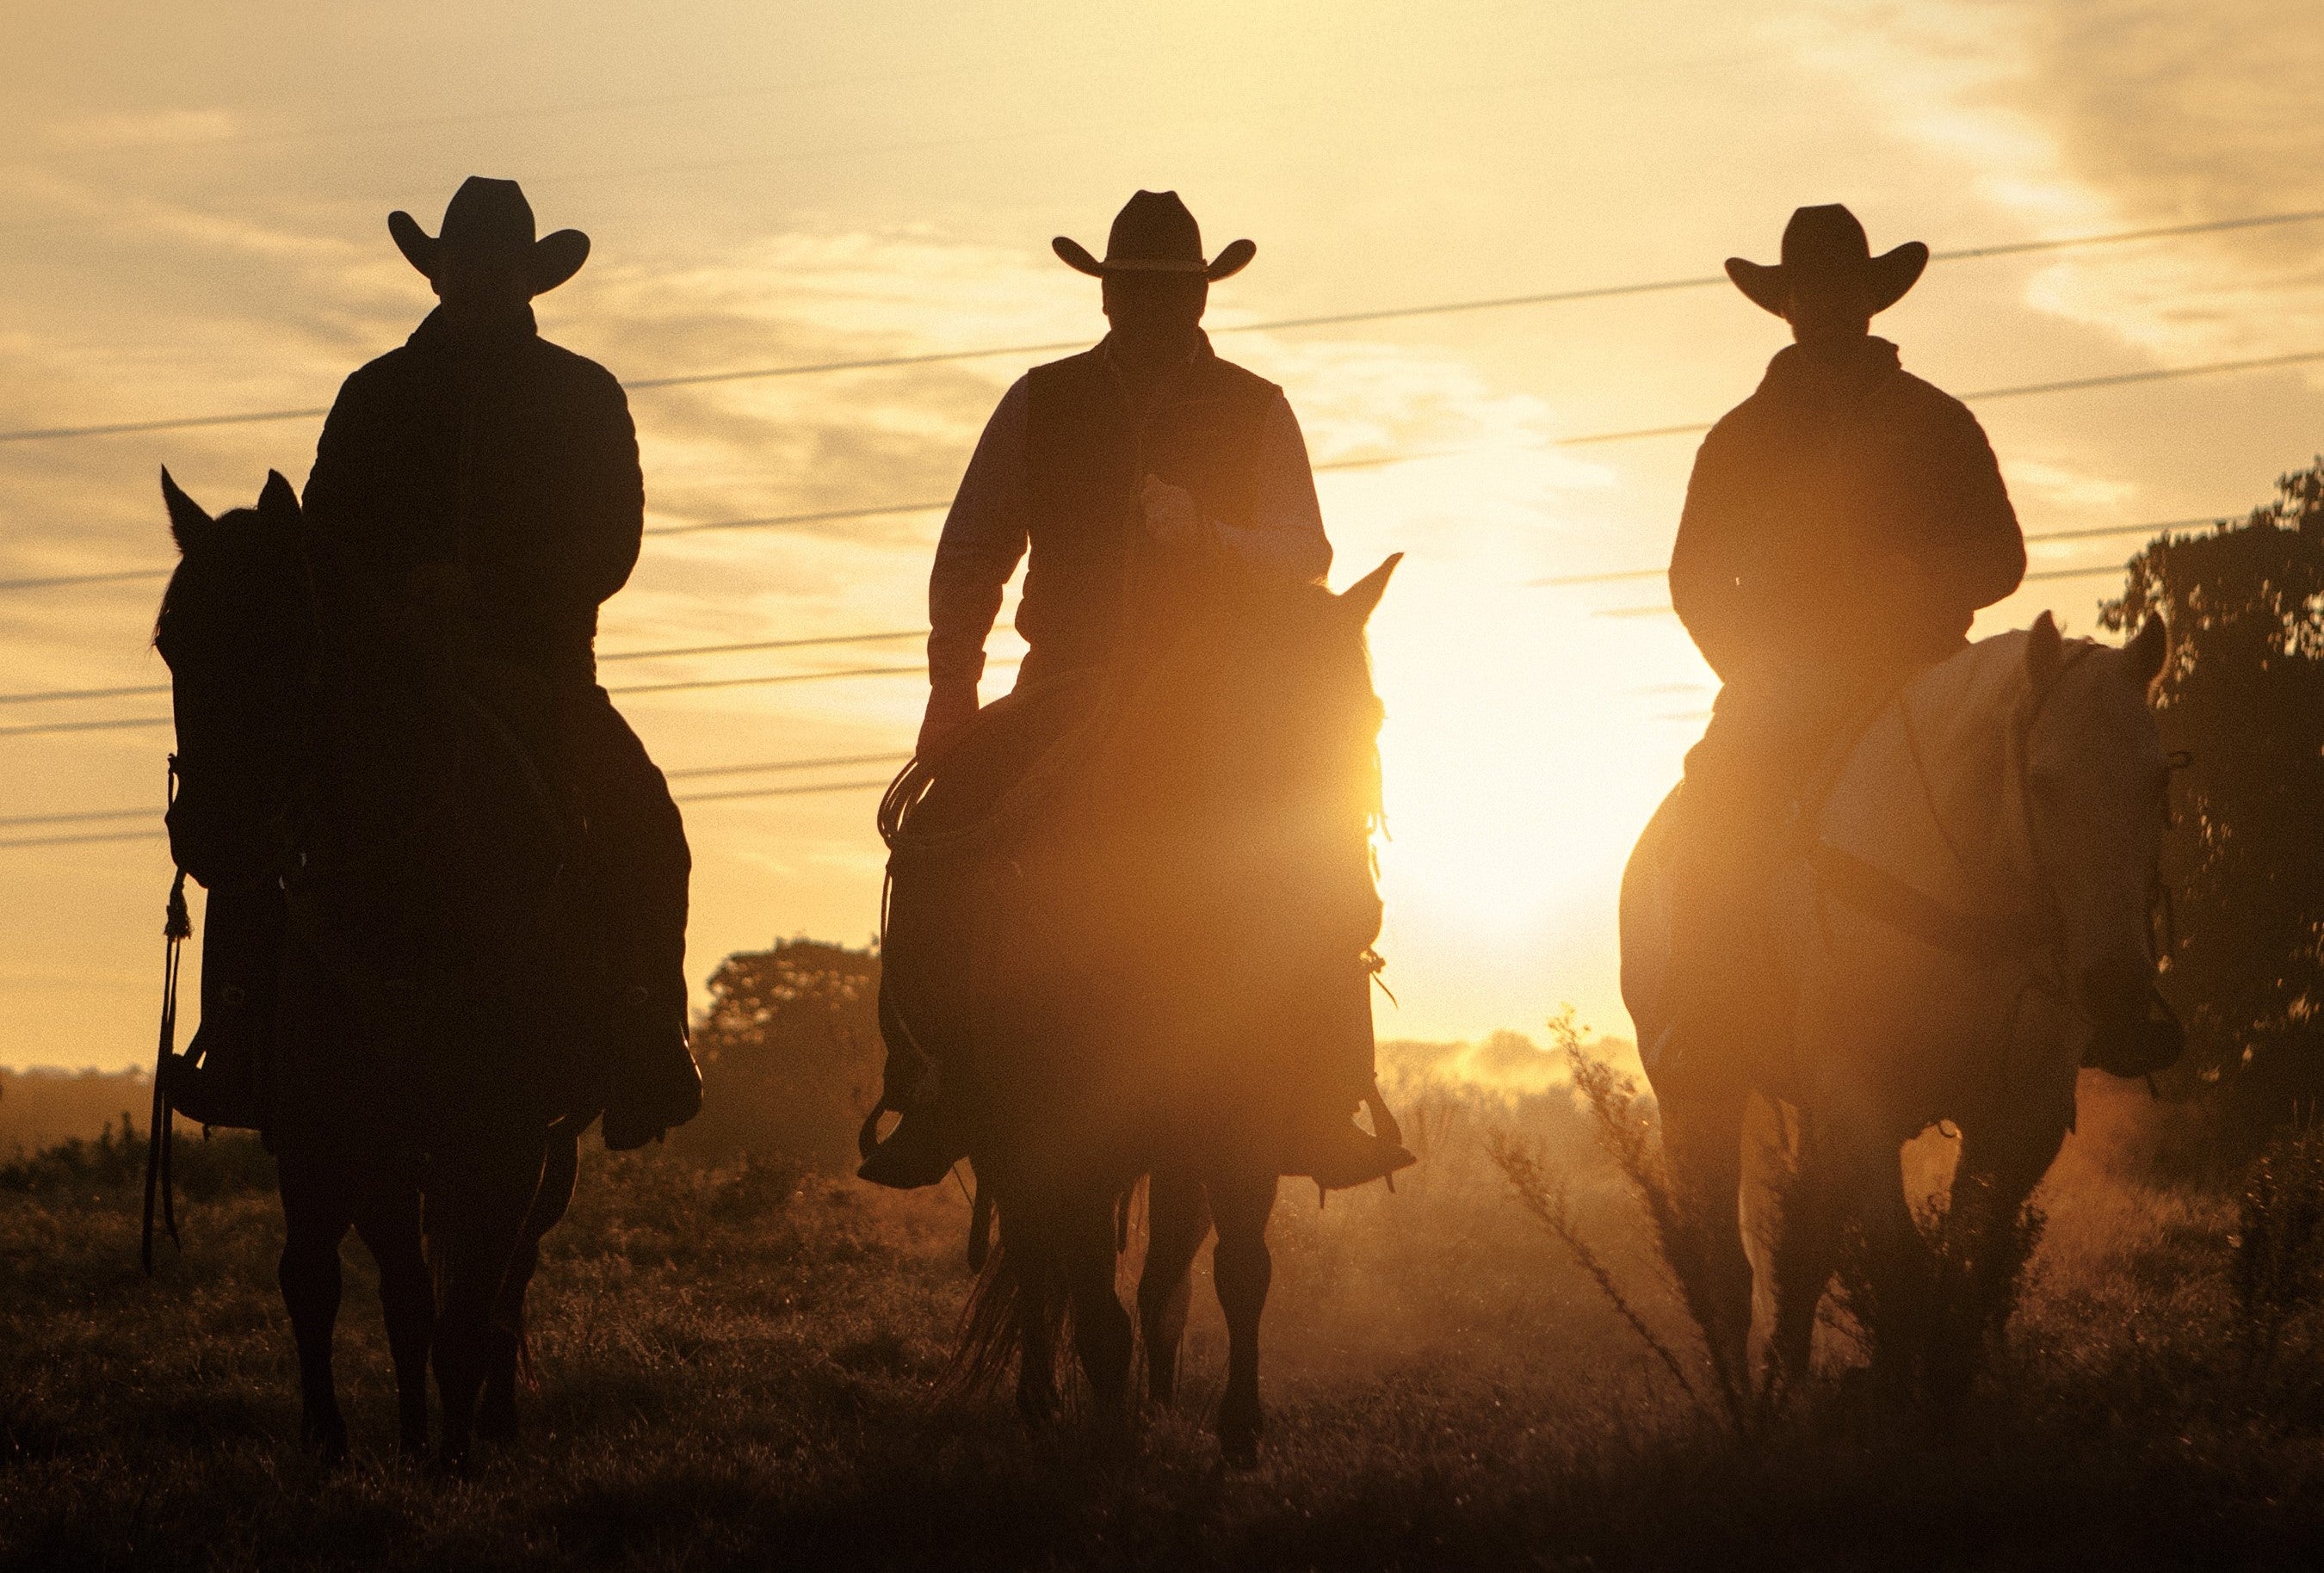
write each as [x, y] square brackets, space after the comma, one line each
[1965, 919]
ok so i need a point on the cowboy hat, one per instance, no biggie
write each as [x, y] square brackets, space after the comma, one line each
[1824, 245]
[1155, 234]
[492, 218]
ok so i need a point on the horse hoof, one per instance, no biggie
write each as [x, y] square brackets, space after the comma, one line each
[325, 1438]
[496, 1416]
[413, 1446]
[1239, 1440]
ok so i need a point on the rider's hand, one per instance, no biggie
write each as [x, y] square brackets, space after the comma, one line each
[1171, 517]
[951, 707]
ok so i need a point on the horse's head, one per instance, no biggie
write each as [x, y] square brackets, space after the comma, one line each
[2097, 801]
[236, 629]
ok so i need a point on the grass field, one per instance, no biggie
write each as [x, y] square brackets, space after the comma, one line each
[736, 1362]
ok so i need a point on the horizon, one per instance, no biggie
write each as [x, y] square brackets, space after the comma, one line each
[200, 229]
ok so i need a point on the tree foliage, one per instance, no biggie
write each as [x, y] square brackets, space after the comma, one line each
[2244, 696]
[790, 1053]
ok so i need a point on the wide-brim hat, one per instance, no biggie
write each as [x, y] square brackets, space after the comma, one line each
[1155, 234]
[1823, 245]
[492, 218]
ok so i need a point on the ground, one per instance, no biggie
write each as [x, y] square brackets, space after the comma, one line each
[737, 1364]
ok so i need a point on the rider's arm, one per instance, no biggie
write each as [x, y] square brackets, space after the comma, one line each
[609, 491]
[1981, 555]
[983, 540]
[1286, 532]
[1703, 573]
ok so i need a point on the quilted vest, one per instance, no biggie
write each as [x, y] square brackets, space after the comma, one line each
[1086, 459]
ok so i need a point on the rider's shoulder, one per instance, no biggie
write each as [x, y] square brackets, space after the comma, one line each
[573, 366]
[1925, 400]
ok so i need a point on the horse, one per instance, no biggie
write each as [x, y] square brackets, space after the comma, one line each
[1177, 954]
[419, 1087]
[1963, 920]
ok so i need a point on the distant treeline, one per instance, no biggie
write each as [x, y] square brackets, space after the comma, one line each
[40, 1109]
[2243, 702]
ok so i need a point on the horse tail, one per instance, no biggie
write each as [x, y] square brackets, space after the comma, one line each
[989, 1335]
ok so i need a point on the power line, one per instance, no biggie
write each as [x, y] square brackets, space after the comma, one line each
[58, 581]
[698, 683]
[833, 761]
[24, 819]
[1383, 313]
[700, 770]
[1569, 581]
[72, 840]
[141, 691]
[47, 726]
[1664, 609]
[785, 644]
[784, 791]
[1376, 461]
[156, 721]
[147, 690]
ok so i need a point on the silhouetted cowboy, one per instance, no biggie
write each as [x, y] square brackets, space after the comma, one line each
[490, 478]
[1148, 442]
[1843, 526]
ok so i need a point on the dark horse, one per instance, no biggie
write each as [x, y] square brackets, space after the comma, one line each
[1172, 978]
[338, 752]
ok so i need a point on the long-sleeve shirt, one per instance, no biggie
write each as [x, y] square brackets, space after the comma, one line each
[986, 532]
[502, 452]
[1846, 518]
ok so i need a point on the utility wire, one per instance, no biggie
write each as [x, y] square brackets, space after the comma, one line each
[700, 770]
[784, 791]
[24, 819]
[1376, 461]
[1384, 314]
[1663, 609]
[153, 720]
[1568, 581]
[833, 761]
[149, 689]
[72, 840]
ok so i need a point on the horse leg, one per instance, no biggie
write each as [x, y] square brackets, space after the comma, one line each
[1998, 1174]
[1177, 1221]
[1867, 1189]
[485, 1198]
[388, 1223]
[496, 1415]
[1243, 1269]
[1102, 1332]
[318, 1209]
[1806, 1250]
[1702, 1138]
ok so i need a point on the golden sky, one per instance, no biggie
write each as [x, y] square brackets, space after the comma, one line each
[192, 205]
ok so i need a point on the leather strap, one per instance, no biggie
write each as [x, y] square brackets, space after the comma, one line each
[1882, 896]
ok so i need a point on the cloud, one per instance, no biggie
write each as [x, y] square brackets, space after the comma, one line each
[2091, 114]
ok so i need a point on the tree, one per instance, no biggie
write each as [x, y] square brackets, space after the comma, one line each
[2244, 696]
[791, 1054]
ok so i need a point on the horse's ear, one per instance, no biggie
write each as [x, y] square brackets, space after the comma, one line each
[278, 503]
[1363, 596]
[2149, 650]
[2045, 651]
[187, 522]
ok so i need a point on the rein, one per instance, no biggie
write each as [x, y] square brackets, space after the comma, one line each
[161, 1134]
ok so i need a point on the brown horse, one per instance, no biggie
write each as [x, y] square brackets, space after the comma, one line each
[430, 1032]
[1964, 925]
[1174, 974]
